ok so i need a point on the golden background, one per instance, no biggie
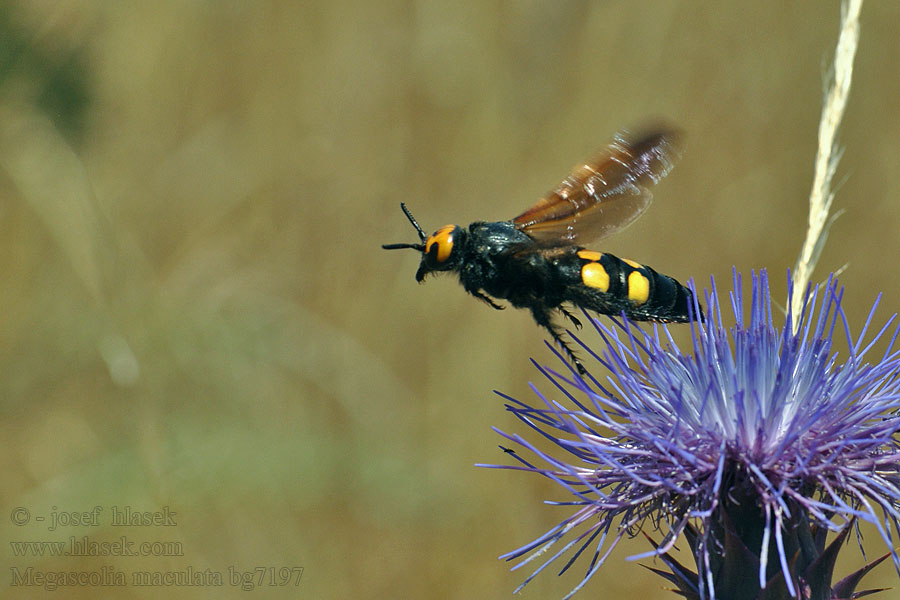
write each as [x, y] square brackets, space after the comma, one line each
[196, 313]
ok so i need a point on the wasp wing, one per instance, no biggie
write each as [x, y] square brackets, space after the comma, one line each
[605, 194]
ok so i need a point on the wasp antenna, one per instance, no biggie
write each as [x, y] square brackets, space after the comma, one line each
[419, 247]
[412, 220]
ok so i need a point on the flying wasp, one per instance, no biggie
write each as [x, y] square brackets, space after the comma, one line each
[535, 261]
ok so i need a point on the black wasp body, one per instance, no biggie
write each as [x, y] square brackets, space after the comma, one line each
[534, 262]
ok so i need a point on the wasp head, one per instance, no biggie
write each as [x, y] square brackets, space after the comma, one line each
[441, 250]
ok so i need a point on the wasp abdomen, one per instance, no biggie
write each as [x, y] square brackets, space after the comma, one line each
[610, 285]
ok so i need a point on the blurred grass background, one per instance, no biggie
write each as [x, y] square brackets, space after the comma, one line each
[195, 311]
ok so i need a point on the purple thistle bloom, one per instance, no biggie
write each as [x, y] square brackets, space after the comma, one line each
[757, 443]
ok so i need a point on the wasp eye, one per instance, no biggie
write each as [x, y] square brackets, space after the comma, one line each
[443, 239]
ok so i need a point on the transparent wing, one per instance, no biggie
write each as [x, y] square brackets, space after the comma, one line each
[604, 195]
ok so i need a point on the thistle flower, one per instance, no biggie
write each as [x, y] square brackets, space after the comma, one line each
[752, 447]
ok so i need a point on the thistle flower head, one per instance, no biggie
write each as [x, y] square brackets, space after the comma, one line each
[753, 446]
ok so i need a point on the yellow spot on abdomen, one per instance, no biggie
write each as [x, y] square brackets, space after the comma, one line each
[631, 263]
[589, 254]
[594, 275]
[638, 287]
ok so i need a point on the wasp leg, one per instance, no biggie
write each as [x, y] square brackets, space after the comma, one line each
[487, 299]
[543, 319]
[570, 317]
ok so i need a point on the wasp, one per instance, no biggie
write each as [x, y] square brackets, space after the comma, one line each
[535, 261]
